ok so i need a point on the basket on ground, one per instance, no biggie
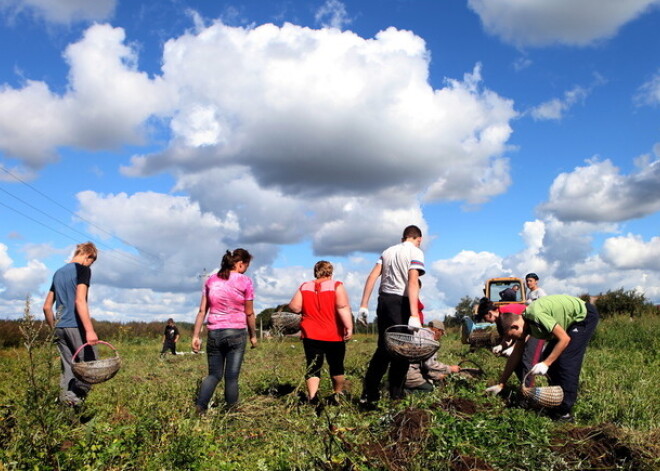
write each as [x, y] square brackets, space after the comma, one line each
[95, 371]
[411, 343]
[286, 322]
[542, 396]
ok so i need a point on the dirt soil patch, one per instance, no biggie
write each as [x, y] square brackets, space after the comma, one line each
[600, 447]
[458, 406]
[405, 439]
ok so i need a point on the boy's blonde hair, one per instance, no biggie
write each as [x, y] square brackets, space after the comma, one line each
[88, 249]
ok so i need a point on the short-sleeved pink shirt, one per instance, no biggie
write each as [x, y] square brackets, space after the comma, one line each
[226, 301]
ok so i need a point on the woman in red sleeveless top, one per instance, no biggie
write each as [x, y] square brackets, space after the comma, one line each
[326, 324]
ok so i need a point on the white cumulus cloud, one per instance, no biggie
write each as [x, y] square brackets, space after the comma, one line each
[541, 22]
[598, 192]
[632, 252]
[332, 14]
[62, 11]
[19, 282]
[174, 237]
[556, 108]
[106, 105]
[313, 133]
[649, 92]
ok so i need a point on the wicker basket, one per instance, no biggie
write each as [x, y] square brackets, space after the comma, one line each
[286, 322]
[96, 371]
[409, 343]
[542, 396]
[474, 372]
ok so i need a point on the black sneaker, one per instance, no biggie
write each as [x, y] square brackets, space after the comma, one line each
[367, 405]
[335, 399]
[567, 418]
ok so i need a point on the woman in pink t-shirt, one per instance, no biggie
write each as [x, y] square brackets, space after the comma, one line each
[227, 299]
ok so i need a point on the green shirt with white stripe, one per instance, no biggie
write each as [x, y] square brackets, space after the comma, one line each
[548, 311]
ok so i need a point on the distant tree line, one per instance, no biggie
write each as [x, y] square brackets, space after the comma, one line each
[131, 332]
[621, 302]
[612, 303]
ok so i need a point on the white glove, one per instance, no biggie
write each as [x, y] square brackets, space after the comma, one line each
[363, 314]
[497, 349]
[507, 352]
[539, 369]
[494, 390]
[414, 322]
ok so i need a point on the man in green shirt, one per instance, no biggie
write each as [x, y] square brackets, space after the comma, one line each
[568, 323]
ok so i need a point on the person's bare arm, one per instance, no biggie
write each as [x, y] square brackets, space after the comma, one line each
[344, 310]
[251, 322]
[295, 305]
[413, 292]
[48, 309]
[512, 361]
[196, 341]
[83, 313]
[369, 284]
[562, 342]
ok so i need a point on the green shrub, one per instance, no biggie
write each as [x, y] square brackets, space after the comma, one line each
[620, 302]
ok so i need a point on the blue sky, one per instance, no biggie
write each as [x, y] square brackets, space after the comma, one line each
[521, 136]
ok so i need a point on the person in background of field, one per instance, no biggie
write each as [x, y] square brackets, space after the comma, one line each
[422, 375]
[510, 294]
[568, 323]
[534, 347]
[327, 323]
[170, 337]
[399, 269]
[73, 327]
[227, 298]
[534, 291]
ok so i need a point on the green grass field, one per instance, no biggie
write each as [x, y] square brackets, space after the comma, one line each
[144, 418]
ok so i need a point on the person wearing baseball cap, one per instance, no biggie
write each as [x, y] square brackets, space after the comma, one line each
[534, 292]
[423, 375]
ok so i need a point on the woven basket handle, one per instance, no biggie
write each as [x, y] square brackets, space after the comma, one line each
[405, 326]
[467, 360]
[524, 381]
[73, 358]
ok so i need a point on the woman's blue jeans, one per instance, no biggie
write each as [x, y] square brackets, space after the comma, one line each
[224, 349]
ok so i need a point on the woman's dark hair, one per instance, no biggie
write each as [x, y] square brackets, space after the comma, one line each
[485, 306]
[230, 259]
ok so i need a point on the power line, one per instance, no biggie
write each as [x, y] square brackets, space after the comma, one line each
[112, 252]
[51, 217]
[36, 190]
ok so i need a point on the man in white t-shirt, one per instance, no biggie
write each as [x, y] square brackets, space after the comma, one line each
[533, 347]
[399, 269]
[534, 292]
